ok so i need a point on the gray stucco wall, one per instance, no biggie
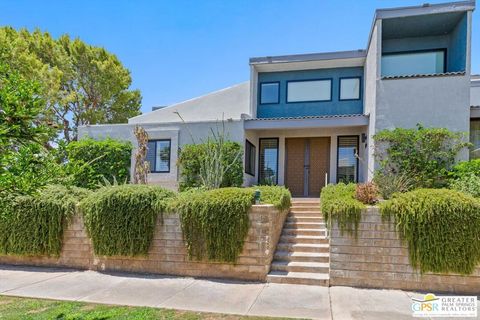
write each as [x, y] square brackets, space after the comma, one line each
[179, 133]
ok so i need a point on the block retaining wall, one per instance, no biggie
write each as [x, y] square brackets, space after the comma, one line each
[379, 259]
[167, 254]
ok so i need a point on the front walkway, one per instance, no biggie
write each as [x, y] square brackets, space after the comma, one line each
[207, 295]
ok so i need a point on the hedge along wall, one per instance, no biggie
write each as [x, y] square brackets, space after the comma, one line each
[378, 258]
[168, 253]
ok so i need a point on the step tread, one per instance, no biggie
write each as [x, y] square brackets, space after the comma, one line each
[303, 237]
[304, 229]
[302, 254]
[300, 275]
[311, 245]
[301, 264]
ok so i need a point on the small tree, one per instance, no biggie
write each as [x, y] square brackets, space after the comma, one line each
[142, 167]
[423, 154]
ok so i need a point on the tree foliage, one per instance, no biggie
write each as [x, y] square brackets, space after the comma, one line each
[423, 154]
[80, 84]
[91, 161]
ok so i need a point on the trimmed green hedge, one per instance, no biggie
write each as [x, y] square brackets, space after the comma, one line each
[91, 161]
[441, 227]
[121, 219]
[33, 225]
[215, 223]
[279, 196]
[338, 204]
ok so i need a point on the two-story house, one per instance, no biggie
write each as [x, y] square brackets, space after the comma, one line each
[309, 119]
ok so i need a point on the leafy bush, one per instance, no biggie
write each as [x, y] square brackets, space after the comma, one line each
[90, 161]
[390, 183]
[469, 184]
[33, 225]
[279, 196]
[366, 193]
[121, 219]
[423, 154]
[338, 204]
[466, 168]
[441, 228]
[192, 155]
[214, 222]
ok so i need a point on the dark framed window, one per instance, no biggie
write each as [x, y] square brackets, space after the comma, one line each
[347, 160]
[414, 62]
[268, 161]
[315, 90]
[158, 155]
[350, 88]
[269, 92]
[475, 139]
[250, 152]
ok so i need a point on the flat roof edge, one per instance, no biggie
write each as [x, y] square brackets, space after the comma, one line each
[424, 9]
[361, 53]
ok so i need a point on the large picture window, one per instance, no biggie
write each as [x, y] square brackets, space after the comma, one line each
[347, 161]
[412, 63]
[269, 92]
[268, 164]
[158, 155]
[249, 158]
[475, 139]
[309, 90]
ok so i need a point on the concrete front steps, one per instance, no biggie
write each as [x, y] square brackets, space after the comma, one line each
[302, 255]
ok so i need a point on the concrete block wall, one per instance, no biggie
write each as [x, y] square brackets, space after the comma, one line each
[167, 254]
[377, 258]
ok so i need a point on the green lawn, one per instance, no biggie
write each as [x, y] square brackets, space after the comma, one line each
[26, 308]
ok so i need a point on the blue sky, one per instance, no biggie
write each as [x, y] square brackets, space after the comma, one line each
[177, 49]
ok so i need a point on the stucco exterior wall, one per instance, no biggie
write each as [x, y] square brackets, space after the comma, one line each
[179, 133]
[371, 76]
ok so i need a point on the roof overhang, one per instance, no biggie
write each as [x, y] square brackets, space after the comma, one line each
[475, 112]
[353, 120]
[355, 58]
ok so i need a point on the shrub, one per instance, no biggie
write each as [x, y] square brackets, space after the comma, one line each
[441, 228]
[469, 184]
[90, 161]
[214, 222]
[33, 225]
[121, 219]
[192, 155]
[338, 204]
[279, 196]
[466, 168]
[366, 193]
[390, 183]
[423, 154]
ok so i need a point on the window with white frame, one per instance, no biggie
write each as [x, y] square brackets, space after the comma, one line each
[350, 88]
[309, 90]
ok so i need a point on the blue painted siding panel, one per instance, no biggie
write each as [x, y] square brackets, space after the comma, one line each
[457, 50]
[299, 109]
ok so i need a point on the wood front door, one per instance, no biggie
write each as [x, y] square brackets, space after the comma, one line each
[307, 161]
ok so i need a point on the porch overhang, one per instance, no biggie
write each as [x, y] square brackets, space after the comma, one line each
[350, 120]
[475, 112]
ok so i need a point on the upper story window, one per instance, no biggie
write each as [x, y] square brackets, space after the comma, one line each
[413, 63]
[158, 155]
[309, 90]
[269, 92]
[349, 88]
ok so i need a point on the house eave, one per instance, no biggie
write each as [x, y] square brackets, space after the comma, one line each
[356, 120]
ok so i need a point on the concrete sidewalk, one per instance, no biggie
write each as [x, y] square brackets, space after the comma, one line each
[222, 296]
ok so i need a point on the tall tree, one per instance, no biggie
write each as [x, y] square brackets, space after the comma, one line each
[81, 84]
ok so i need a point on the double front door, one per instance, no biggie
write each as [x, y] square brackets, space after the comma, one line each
[307, 161]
